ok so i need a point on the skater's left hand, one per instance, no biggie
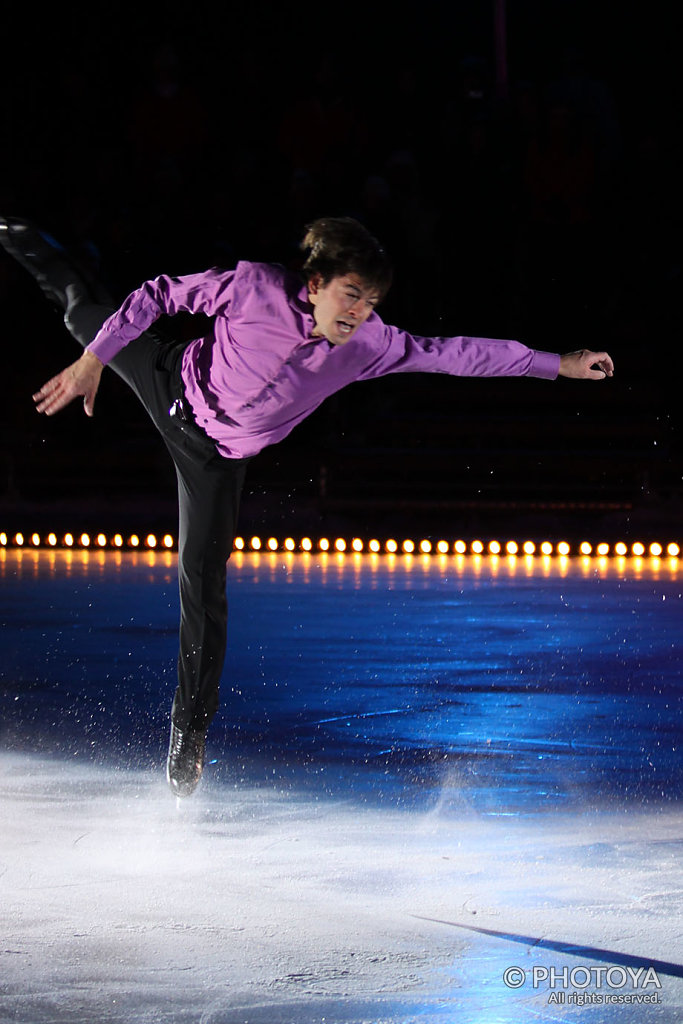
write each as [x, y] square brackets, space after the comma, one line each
[586, 365]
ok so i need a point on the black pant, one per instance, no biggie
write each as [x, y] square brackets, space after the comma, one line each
[209, 490]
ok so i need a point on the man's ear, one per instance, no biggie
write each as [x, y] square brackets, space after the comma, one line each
[315, 283]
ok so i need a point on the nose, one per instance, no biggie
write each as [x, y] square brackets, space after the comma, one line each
[357, 309]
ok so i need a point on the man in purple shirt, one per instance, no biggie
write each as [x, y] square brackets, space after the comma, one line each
[280, 344]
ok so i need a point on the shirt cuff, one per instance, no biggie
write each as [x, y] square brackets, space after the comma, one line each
[105, 347]
[544, 364]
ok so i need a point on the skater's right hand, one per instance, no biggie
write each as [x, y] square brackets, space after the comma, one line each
[81, 378]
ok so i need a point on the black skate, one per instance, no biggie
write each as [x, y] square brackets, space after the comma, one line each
[185, 762]
[63, 280]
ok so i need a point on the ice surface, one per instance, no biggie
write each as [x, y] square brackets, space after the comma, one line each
[423, 773]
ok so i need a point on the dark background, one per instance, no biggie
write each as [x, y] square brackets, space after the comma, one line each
[543, 204]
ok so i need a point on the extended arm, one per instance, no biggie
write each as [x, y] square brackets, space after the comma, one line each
[478, 357]
[208, 293]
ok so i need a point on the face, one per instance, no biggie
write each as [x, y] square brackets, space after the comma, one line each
[340, 306]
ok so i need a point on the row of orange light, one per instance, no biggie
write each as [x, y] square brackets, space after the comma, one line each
[459, 547]
[356, 545]
[84, 540]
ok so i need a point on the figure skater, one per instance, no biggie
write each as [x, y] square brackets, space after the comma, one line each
[281, 342]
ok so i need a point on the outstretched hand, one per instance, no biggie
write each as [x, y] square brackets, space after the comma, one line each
[81, 378]
[586, 365]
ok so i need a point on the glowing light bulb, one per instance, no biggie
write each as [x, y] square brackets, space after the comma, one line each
[529, 547]
[638, 549]
[408, 547]
[673, 550]
[238, 543]
[477, 547]
[272, 544]
[19, 539]
[585, 548]
[374, 546]
[307, 544]
[168, 540]
[255, 543]
[289, 544]
[442, 547]
[68, 540]
[494, 547]
[101, 540]
[117, 540]
[84, 540]
[460, 547]
[3, 540]
[134, 541]
[603, 549]
[35, 540]
[563, 548]
[52, 539]
[340, 544]
[324, 544]
[425, 547]
[151, 540]
[655, 549]
[620, 548]
[546, 548]
[391, 546]
[512, 547]
[357, 544]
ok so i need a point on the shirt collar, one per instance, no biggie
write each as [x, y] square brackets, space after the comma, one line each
[305, 307]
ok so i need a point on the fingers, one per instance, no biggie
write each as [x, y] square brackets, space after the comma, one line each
[587, 365]
[46, 389]
[594, 365]
[604, 361]
[57, 393]
[51, 398]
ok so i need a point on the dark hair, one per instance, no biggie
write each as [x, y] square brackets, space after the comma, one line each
[341, 245]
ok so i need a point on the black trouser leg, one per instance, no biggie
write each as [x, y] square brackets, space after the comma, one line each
[209, 491]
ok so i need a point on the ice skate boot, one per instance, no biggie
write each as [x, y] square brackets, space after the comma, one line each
[61, 278]
[185, 762]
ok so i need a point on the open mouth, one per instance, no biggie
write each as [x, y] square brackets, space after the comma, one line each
[345, 327]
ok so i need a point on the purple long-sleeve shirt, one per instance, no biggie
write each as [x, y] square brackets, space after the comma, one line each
[261, 372]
